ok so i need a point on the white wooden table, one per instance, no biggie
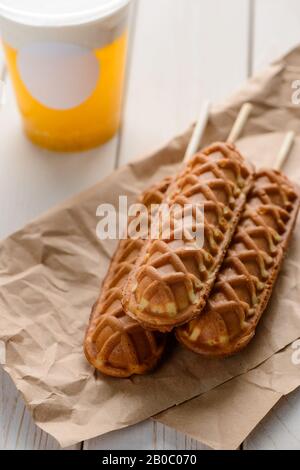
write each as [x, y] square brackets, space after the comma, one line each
[182, 52]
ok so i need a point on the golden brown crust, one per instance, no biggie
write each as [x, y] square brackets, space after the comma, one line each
[115, 344]
[246, 279]
[172, 280]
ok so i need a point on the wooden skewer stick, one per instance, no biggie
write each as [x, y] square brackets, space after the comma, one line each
[240, 123]
[198, 132]
[285, 150]
[202, 122]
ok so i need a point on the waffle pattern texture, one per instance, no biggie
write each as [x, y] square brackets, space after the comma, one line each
[246, 279]
[115, 344]
[173, 277]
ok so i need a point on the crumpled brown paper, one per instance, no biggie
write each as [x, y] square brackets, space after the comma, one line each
[49, 278]
[225, 416]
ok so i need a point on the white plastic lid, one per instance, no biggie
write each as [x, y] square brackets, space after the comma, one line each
[58, 12]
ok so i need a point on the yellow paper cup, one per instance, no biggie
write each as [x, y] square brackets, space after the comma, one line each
[67, 62]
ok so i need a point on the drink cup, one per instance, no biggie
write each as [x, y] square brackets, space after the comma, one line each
[67, 59]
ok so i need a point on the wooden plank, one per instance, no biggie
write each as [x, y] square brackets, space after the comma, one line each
[276, 29]
[177, 61]
[277, 26]
[184, 52]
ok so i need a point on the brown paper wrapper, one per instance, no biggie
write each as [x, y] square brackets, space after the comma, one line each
[224, 417]
[49, 278]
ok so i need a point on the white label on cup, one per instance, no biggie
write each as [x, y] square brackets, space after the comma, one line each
[60, 76]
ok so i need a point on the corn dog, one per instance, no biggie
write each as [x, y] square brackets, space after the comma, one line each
[246, 280]
[171, 282]
[115, 344]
